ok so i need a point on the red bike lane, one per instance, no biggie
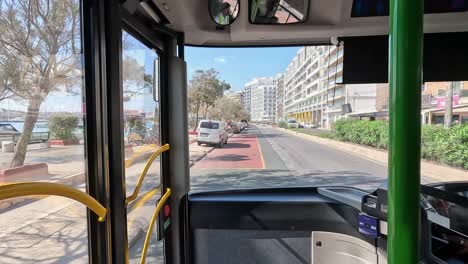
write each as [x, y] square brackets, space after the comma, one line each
[241, 152]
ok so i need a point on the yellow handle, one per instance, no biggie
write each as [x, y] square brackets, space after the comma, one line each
[151, 226]
[145, 170]
[44, 188]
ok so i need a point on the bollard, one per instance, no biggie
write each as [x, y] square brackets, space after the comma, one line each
[8, 146]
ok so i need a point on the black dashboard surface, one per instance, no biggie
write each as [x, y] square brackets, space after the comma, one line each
[275, 209]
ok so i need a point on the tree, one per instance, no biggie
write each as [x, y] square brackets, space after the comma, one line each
[449, 104]
[40, 41]
[204, 89]
[135, 80]
[228, 110]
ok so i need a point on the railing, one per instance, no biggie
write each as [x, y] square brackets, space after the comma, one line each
[151, 225]
[145, 171]
[14, 190]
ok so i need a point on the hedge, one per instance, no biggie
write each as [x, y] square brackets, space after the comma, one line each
[61, 126]
[448, 146]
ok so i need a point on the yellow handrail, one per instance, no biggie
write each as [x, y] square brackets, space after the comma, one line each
[145, 170]
[13, 190]
[151, 226]
[140, 201]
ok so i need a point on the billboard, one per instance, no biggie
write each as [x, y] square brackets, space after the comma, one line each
[441, 101]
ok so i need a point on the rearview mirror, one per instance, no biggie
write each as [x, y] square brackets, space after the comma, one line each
[278, 11]
[224, 12]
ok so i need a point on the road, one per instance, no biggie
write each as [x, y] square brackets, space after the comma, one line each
[259, 157]
[285, 160]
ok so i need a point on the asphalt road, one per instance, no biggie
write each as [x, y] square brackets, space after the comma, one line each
[288, 161]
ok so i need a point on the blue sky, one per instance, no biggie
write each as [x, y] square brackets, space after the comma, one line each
[238, 66]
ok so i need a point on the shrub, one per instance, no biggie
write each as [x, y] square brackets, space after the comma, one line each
[62, 126]
[283, 124]
[370, 133]
[449, 146]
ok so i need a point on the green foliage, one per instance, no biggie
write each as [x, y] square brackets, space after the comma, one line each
[362, 132]
[448, 146]
[61, 126]
[283, 124]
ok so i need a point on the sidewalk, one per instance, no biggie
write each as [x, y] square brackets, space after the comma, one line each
[52, 229]
[432, 172]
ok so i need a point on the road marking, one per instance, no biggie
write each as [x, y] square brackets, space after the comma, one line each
[261, 152]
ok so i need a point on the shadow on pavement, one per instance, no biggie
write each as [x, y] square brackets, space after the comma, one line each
[68, 244]
[282, 178]
[266, 135]
[228, 157]
[235, 145]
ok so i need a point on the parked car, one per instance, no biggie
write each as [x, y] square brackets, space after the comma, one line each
[212, 132]
[8, 132]
[241, 125]
[309, 125]
[245, 124]
[292, 124]
[235, 128]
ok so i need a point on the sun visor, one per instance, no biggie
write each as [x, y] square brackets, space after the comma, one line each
[445, 55]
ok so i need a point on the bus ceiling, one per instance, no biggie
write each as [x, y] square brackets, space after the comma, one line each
[323, 19]
[361, 25]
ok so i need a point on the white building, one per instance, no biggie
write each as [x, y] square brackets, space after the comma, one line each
[279, 80]
[248, 87]
[312, 92]
[263, 100]
[305, 81]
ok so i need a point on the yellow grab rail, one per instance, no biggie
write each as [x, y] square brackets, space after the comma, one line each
[145, 170]
[14, 190]
[151, 225]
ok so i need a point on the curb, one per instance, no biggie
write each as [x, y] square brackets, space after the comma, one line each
[436, 172]
[38, 168]
[195, 160]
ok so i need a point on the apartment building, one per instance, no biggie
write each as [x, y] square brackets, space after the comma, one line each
[433, 102]
[237, 96]
[279, 80]
[263, 101]
[305, 87]
[313, 92]
[249, 87]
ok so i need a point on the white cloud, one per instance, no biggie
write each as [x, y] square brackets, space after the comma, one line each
[220, 59]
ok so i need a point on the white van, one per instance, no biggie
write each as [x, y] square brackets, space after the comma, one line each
[212, 132]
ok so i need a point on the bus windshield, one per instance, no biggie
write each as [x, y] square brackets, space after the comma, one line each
[306, 128]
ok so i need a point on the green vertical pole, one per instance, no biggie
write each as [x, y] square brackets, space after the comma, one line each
[405, 70]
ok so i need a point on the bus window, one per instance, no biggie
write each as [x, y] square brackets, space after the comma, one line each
[42, 97]
[141, 140]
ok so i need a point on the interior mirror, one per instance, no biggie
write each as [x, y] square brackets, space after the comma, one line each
[278, 11]
[224, 12]
[156, 80]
